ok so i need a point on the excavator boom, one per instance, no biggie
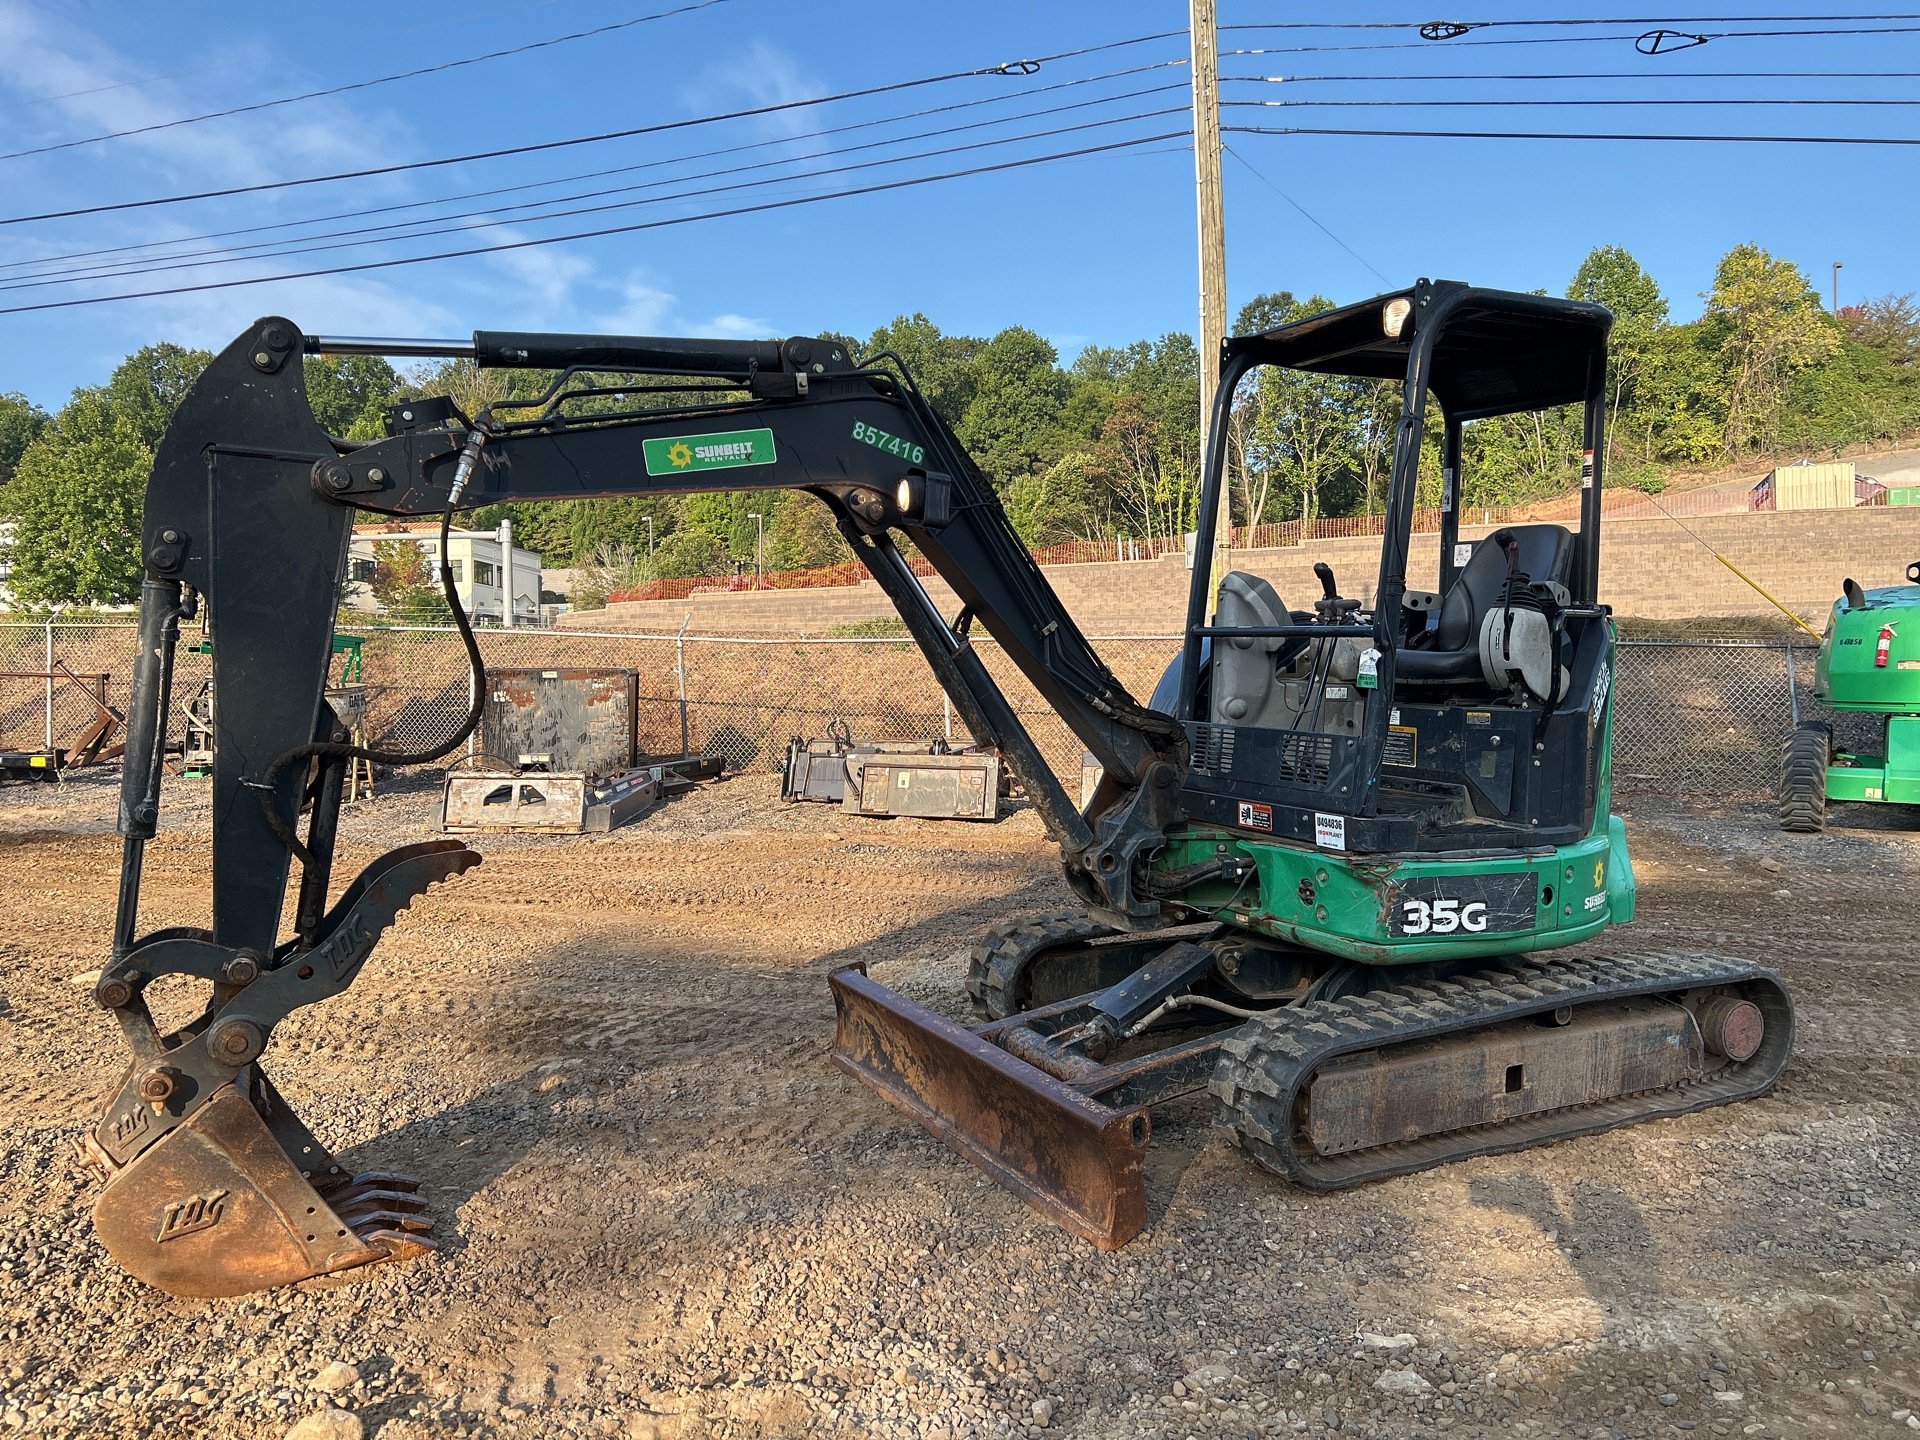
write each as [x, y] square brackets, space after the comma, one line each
[214, 1187]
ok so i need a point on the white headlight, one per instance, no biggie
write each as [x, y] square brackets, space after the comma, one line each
[1393, 316]
[903, 496]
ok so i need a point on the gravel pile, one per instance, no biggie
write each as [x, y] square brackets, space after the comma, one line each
[663, 1214]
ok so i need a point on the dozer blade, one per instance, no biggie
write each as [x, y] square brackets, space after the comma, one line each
[1076, 1161]
[216, 1208]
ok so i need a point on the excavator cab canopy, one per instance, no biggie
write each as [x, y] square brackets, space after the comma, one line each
[1497, 352]
[1378, 737]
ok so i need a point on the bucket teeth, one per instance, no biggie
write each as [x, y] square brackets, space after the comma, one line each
[372, 1222]
[399, 1244]
[384, 1179]
[361, 1193]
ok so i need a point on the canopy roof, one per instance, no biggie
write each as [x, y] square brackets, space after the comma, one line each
[1498, 352]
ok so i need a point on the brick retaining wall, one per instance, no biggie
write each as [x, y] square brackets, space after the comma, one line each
[1651, 570]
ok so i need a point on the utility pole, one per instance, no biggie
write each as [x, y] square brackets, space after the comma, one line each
[1837, 268]
[1213, 231]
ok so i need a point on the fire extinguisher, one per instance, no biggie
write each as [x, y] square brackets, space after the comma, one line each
[1881, 650]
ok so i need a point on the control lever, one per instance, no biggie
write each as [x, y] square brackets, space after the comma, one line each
[1332, 605]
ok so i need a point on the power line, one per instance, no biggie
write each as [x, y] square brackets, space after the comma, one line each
[181, 263]
[228, 255]
[1579, 20]
[1576, 135]
[1309, 214]
[742, 148]
[1012, 67]
[1691, 40]
[1589, 75]
[880, 187]
[366, 84]
[1642, 100]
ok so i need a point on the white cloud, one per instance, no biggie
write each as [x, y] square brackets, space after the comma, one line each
[547, 274]
[43, 56]
[644, 310]
[737, 327]
[763, 74]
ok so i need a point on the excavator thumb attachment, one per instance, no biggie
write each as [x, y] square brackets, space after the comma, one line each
[1075, 1160]
[218, 1208]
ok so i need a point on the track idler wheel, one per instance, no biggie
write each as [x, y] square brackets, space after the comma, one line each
[216, 1208]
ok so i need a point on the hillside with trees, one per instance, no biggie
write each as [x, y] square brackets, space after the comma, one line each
[1103, 446]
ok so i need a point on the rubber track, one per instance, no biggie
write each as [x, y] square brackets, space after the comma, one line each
[996, 965]
[1266, 1065]
[1803, 779]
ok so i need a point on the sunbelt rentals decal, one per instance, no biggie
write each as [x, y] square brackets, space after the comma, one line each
[691, 453]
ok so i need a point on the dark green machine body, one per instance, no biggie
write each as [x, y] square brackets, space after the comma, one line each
[1425, 907]
[1393, 823]
[1869, 663]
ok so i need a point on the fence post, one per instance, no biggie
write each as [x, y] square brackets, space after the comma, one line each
[1793, 686]
[473, 696]
[49, 744]
[946, 704]
[680, 670]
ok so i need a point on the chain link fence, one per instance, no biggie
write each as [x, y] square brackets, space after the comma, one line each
[1702, 717]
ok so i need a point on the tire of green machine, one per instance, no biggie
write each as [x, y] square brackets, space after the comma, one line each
[1803, 779]
[997, 967]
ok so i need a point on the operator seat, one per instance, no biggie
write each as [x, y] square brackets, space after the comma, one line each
[1451, 654]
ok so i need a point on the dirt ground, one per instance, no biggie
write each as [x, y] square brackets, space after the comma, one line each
[664, 1214]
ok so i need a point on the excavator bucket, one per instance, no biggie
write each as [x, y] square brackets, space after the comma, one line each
[219, 1207]
[213, 1185]
[1078, 1162]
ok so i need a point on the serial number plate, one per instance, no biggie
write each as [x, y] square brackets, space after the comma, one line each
[1465, 905]
[893, 444]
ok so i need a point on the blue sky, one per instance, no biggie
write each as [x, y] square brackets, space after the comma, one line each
[1096, 249]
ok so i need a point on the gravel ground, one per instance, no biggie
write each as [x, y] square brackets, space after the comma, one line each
[663, 1214]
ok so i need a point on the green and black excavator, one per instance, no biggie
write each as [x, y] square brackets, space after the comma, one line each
[1329, 875]
[1865, 666]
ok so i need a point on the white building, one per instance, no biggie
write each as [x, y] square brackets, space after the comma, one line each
[485, 564]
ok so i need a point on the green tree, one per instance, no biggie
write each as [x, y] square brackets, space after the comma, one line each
[80, 484]
[21, 422]
[801, 534]
[1610, 276]
[404, 586]
[1890, 325]
[1072, 499]
[350, 394]
[1011, 422]
[1766, 324]
[689, 554]
[75, 501]
[149, 384]
[941, 365]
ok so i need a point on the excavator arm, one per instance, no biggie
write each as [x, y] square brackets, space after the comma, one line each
[213, 1186]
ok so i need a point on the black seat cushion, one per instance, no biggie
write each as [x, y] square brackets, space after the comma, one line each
[1545, 553]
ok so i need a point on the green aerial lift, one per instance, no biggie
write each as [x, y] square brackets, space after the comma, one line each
[1869, 661]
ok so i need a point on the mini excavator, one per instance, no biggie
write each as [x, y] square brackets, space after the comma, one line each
[1326, 875]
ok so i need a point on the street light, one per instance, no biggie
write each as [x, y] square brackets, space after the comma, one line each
[649, 520]
[1837, 267]
[759, 538]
